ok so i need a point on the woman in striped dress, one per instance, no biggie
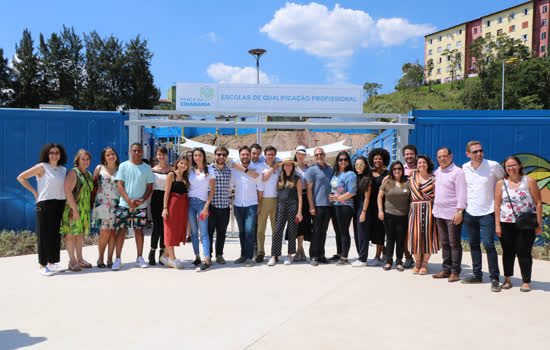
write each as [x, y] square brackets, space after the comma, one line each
[423, 240]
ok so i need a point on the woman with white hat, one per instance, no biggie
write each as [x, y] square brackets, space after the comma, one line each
[289, 210]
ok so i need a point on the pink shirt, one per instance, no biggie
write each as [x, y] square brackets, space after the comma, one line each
[408, 169]
[450, 191]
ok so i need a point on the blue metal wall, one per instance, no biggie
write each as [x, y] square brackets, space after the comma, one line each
[25, 131]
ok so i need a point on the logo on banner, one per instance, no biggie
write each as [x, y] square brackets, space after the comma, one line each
[207, 93]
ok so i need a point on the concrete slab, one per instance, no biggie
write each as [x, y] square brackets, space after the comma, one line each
[261, 307]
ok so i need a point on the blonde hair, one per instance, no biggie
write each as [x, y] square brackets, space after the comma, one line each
[80, 153]
[288, 181]
[469, 145]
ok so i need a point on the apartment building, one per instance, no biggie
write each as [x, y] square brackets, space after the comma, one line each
[527, 22]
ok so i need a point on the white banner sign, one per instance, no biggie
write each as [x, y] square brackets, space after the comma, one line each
[227, 98]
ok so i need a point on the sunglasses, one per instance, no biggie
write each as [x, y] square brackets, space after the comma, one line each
[394, 169]
[359, 165]
[477, 151]
[221, 155]
[343, 160]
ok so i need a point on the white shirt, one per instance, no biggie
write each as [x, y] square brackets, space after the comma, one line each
[481, 184]
[269, 187]
[200, 185]
[51, 185]
[245, 187]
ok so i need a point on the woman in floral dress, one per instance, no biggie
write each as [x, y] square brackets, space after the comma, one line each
[106, 201]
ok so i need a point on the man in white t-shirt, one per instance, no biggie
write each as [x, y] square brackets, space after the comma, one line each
[479, 218]
[267, 197]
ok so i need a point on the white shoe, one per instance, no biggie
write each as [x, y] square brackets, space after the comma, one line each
[358, 263]
[56, 268]
[271, 262]
[141, 262]
[164, 260]
[288, 261]
[45, 271]
[116, 265]
[179, 264]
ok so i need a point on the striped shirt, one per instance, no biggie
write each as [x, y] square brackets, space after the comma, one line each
[221, 193]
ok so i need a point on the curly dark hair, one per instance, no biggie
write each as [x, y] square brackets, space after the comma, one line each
[44, 156]
[365, 180]
[379, 152]
[428, 160]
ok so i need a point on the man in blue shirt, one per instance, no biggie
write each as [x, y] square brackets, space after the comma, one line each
[135, 184]
[318, 189]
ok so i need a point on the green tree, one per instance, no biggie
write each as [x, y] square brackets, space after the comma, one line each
[6, 84]
[454, 63]
[141, 93]
[412, 77]
[429, 68]
[28, 82]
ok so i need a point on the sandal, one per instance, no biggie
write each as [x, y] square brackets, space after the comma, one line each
[506, 285]
[84, 264]
[400, 268]
[109, 265]
[74, 266]
[387, 267]
[416, 268]
[100, 265]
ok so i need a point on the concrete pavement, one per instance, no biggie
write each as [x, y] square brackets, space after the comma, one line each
[261, 307]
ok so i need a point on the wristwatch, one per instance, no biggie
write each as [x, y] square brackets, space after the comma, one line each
[460, 212]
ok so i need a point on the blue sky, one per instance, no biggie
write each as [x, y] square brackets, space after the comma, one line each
[321, 42]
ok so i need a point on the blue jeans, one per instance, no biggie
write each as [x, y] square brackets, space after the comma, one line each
[482, 227]
[195, 208]
[246, 221]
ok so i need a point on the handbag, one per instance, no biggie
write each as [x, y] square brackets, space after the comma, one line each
[524, 221]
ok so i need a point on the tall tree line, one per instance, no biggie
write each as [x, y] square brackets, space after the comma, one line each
[89, 72]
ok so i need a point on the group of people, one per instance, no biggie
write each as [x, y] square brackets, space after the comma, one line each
[408, 211]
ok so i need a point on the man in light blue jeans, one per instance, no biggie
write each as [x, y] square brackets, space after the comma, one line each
[479, 218]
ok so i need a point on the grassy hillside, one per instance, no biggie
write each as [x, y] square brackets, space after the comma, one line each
[440, 96]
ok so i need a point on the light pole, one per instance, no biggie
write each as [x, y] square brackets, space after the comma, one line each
[257, 53]
[502, 92]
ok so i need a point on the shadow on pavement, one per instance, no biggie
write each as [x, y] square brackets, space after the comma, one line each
[14, 339]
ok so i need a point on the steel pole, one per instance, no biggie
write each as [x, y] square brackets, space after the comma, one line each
[502, 94]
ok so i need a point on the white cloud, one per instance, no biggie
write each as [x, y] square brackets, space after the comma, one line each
[335, 35]
[211, 36]
[223, 73]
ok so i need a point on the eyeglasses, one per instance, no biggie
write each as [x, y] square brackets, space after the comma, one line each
[477, 151]
[319, 154]
[512, 166]
[343, 160]
[359, 165]
[221, 155]
[394, 169]
[55, 153]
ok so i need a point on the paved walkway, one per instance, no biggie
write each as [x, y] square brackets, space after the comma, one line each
[281, 307]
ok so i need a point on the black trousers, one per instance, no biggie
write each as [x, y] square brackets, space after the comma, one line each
[48, 222]
[396, 229]
[341, 219]
[286, 214]
[157, 203]
[362, 231]
[319, 233]
[517, 242]
[218, 221]
[305, 226]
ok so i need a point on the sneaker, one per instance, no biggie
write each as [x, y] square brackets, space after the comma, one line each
[56, 268]
[334, 258]
[323, 260]
[45, 271]
[164, 261]
[359, 263]
[342, 262]
[288, 261]
[141, 262]
[203, 267]
[116, 265]
[197, 262]
[472, 279]
[179, 264]
[271, 262]
[220, 260]
[249, 262]
[408, 263]
[240, 260]
[495, 286]
[314, 262]
[260, 258]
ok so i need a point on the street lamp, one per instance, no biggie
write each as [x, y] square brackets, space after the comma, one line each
[257, 53]
[502, 94]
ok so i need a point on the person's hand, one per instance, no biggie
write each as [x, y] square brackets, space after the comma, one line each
[76, 214]
[299, 217]
[381, 215]
[457, 218]
[164, 213]
[498, 231]
[538, 230]
[204, 214]
[331, 198]
[363, 216]
[132, 203]
[312, 211]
